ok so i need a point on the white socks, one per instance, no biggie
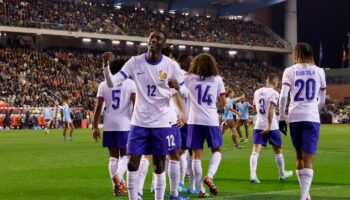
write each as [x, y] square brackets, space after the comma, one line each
[192, 185]
[143, 169]
[112, 167]
[174, 177]
[183, 168]
[214, 164]
[132, 184]
[122, 167]
[197, 172]
[159, 186]
[280, 163]
[253, 164]
[305, 179]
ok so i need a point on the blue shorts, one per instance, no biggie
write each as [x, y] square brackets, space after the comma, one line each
[273, 136]
[183, 131]
[67, 119]
[155, 141]
[177, 135]
[115, 139]
[198, 133]
[305, 135]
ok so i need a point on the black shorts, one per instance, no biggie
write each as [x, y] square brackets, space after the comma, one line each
[47, 120]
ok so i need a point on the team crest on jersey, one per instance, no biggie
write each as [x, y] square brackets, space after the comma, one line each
[162, 75]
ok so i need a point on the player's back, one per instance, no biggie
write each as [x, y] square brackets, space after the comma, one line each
[262, 98]
[228, 114]
[47, 113]
[203, 94]
[118, 104]
[305, 82]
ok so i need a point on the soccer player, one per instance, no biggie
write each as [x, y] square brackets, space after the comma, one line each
[306, 84]
[243, 107]
[205, 85]
[228, 117]
[151, 131]
[266, 128]
[48, 118]
[67, 120]
[116, 123]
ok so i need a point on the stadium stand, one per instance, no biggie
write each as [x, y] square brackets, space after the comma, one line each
[61, 15]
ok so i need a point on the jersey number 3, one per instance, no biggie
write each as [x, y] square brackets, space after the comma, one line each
[115, 99]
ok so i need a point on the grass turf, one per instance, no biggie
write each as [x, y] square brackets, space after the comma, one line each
[38, 166]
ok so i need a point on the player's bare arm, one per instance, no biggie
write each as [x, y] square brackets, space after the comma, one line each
[95, 130]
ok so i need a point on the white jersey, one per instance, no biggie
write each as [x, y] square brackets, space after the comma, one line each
[262, 98]
[152, 107]
[203, 94]
[118, 104]
[305, 82]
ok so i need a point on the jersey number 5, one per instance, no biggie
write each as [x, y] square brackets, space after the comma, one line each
[204, 98]
[115, 99]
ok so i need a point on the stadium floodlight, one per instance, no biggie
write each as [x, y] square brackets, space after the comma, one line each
[115, 42]
[86, 40]
[206, 48]
[208, 16]
[143, 44]
[129, 43]
[99, 41]
[172, 12]
[161, 11]
[186, 14]
[232, 53]
[182, 47]
[117, 6]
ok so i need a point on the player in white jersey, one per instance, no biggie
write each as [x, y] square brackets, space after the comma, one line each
[116, 123]
[47, 111]
[266, 128]
[205, 85]
[306, 84]
[151, 131]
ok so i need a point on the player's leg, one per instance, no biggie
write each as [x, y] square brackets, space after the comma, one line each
[223, 127]
[143, 170]
[71, 129]
[65, 127]
[183, 169]
[246, 127]
[113, 166]
[192, 183]
[232, 126]
[121, 142]
[138, 145]
[214, 140]
[280, 163]
[253, 161]
[238, 128]
[159, 176]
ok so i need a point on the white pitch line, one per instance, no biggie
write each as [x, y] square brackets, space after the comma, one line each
[280, 192]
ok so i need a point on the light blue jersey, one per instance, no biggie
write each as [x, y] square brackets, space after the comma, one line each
[243, 108]
[48, 113]
[228, 114]
[66, 113]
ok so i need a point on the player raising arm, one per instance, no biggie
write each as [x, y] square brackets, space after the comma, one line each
[306, 84]
[151, 131]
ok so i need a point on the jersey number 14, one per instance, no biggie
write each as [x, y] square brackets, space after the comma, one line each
[204, 97]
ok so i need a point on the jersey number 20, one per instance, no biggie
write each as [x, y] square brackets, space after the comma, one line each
[309, 94]
[115, 99]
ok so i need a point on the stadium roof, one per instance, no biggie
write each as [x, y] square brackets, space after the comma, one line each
[226, 7]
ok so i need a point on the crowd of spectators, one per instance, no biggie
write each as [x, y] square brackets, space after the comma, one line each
[130, 20]
[338, 111]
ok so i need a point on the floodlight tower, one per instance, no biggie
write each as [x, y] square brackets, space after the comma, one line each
[290, 28]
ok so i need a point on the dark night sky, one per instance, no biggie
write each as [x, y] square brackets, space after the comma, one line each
[320, 20]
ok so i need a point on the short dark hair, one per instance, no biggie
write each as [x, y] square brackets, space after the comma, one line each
[183, 57]
[167, 51]
[272, 77]
[116, 65]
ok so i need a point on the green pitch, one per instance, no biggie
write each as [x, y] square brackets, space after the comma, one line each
[38, 166]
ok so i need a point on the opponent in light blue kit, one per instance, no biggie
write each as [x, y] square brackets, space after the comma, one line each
[243, 107]
[119, 101]
[67, 120]
[205, 85]
[266, 128]
[151, 131]
[48, 118]
[229, 116]
[306, 84]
